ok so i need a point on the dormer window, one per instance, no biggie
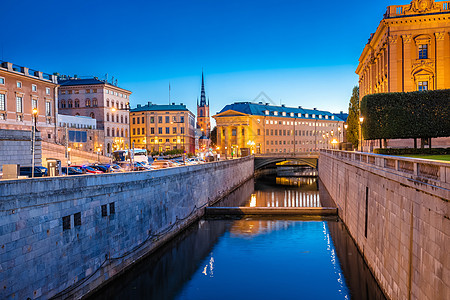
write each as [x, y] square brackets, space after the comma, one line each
[423, 51]
[320, 116]
[306, 116]
[326, 117]
[332, 117]
[283, 114]
[275, 113]
[292, 114]
[299, 115]
[267, 112]
[314, 116]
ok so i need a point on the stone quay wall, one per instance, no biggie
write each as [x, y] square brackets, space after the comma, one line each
[398, 212]
[15, 148]
[63, 237]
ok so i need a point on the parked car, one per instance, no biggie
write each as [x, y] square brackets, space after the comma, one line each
[103, 168]
[71, 171]
[87, 169]
[116, 168]
[162, 164]
[38, 171]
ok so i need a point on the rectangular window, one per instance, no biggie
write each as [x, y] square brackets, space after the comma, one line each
[138, 131]
[174, 130]
[112, 208]
[77, 219]
[88, 91]
[34, 103]
[182, 130]
[423, 85]
[2, 102]
[399, 10]
[48, 109]
[143, 131]
[271, 131]
[152, 130]
[134, 131]
[259, 132]
[47, 91]
[159, 119]
[104, 210]
[19, 104]
[134, 120]
[2, 80]
[34, 88]
[143, 120]
[94, 90]
[138, 120]
[167, 130]
[423, 51]
[167, 119]
[66, 222]
[69, 92]
[174, 119]
[152, 120]
[445, 6]
[233, 132]
[160, 130]
[267, 131]
[182, 119]
[19, 84]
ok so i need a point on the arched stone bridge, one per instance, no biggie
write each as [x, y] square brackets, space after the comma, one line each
[309, 159]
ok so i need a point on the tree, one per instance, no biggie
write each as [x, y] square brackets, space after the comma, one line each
[353, 118]
[214, 137]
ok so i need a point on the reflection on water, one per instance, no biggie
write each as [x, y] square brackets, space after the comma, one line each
[252, 259]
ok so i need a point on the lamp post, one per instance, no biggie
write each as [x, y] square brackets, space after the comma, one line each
[68, 157]
[361, 120]
[33, 146]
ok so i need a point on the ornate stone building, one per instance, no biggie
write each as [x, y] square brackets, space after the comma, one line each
[410, 50]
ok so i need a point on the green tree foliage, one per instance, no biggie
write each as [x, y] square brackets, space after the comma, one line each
[353, 118]
[214, 137]
[406, 115]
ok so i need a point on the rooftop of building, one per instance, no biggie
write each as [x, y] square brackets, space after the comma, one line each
[75, 81]
[25, 71]
[160, 107]
[343, 116]
[264, 109]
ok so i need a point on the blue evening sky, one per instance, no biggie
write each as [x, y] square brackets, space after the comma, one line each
[297, 52]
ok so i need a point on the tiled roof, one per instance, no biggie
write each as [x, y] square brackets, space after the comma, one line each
[88, 81]
[259, 109]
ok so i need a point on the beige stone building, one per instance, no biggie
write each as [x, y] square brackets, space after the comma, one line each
[256, 128]
[21, 90]
[159, 128]
[100, 100]
[410, 50]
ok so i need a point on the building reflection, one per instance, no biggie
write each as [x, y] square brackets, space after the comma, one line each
[251, 228]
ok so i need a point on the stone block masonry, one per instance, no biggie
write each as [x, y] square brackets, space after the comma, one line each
[398, 212]
[15, 148]
[63, 237]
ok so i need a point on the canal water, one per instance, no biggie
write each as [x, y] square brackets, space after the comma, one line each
[255, 258]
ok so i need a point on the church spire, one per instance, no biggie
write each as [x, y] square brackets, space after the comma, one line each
[203, 94]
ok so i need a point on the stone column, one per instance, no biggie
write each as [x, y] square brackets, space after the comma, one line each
[393, 75]
[408, 82]
[442, 62]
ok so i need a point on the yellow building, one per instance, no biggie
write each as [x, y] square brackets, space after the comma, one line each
[255, 128]
[160, 128]
[410, 50]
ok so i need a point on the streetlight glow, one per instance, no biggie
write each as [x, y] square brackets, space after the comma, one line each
[361, 119]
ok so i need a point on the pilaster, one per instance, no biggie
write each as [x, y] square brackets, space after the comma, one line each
[442, 62]
[393, 51]
[408, 82]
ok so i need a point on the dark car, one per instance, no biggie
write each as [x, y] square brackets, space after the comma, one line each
[38, 171]
[103, 168]
[72, 171]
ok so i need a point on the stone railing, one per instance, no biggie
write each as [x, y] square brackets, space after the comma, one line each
[422, 170]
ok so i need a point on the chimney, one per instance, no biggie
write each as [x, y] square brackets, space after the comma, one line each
[282, 105]
[267, 103]
[138, 106]
[315, 108]
[149, 103]
[299, 107]
[173, 103]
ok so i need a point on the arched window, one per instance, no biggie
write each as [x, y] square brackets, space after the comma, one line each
[107, 133]
[107, 102]
[201, 113]
[121, 119]
[94, 102]
[121, 105]
[108, 148]
[121, 133]
[70, 103]
[118, 132]
[92, 115]
[113, 131]
[88, 102]
[126, 120]
[117, 104]
[63, 103]
[77, 103]
[107, 117]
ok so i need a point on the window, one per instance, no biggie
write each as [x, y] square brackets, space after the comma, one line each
[112, 208]
[63, 103]
[88, 91]
[92, 115]
[134, 131]
[134, 120]
[2, 80]
[445, 6]
[138, 131]
[306, 116]
[399, 10]
[19, 84]
[77, 219]
[174, 130]
[126, 120]
[34, 88]
[66, 222]
[159, 119]
[243, 131]
[423, 51]
[104, 210]
[152, 130]
[152, 120]
[423, 86]
[138, 120]
[94, 90]
[283, 114]
[167, 130]
[94, 102]
[182, 130]
[259, 131]
[107, 131]
[143, 131]
[34, 103]
[69, 92]
[19, 106]
[267, 112]
[167, 119]
[2, 102]
[160, 130]
[77, 91]
[107, 103]
[77, 103]
[233, 132]
[88, 102]
[48, 108]
[275, 113]
[182, 119]
[121, 119]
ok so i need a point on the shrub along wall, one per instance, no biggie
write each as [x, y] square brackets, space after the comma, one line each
[406, 115]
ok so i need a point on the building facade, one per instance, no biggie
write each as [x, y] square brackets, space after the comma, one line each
[23, 89]
[249, 128]
[160, 128]
[410, 50]
[100, 100]
[203, 116]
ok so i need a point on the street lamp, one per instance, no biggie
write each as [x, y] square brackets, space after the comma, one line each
[361, 120]
[33, 146]
[68, 157]
[98, 154]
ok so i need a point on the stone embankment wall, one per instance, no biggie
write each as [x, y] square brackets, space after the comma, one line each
[15, 147]
[64, 236]
[398, 212]
[77, 157]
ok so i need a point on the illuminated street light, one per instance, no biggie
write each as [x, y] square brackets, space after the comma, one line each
[361, 120]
